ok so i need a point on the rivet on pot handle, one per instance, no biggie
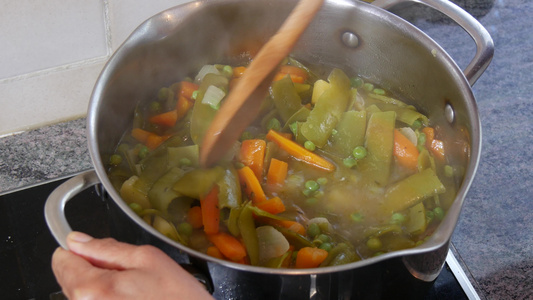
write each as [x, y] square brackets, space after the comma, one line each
[54, 209]
[484, 43]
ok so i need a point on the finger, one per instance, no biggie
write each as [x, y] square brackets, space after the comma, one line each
[111, 254]
[72, 271]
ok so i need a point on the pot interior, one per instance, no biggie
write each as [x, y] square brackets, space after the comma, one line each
[356, 37]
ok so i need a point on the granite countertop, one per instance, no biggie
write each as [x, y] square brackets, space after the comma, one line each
[494, 236]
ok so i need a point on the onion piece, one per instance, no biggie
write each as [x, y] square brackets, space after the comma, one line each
[410, 134]
[271, 243]
[213, 95]
[207, 69]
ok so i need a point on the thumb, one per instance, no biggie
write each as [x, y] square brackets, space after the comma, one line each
[103, 253]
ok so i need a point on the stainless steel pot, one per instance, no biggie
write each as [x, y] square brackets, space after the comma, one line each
[357, 37]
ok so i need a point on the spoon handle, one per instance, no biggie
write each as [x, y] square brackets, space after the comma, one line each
[242, 104]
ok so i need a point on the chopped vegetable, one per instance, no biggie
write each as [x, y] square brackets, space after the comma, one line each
[310, 257]
[252, 154]
[210, 212]
[277, 172]
[405, 151]
[194, 217]
[272, 205]
[251, 185]
[228, 245]
[300, 152]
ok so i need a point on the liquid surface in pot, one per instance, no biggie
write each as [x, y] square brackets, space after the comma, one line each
[333, 171]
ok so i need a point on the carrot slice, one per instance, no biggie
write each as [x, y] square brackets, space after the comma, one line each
[437, 149]
[187, 88]
[272, 205]
[252, 154]
[294, 78]
[210, 211]
[214, 252]
[405, 151]
[228, 245]
[300, 152]
[238, 71]
[182, 106]
[155, 140]
[140, 134]
[293, 70]
[251, 185]
[309, 257]
[167, 119]
[277, 172]
[292, 226]
[194, 217]
[430, 135]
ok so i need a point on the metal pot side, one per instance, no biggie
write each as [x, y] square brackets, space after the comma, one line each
[354, 36]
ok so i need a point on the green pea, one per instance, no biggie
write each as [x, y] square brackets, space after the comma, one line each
[422, 138]
[311, 201]
[239, 165]
[163, 93]
[356, 82]
[324, 238]
[439, 213]
[294, 128]
[397, 218]
[379, 91]
[319, 194]
[308, 192]
[368, 87]
[274, 124]
[312, 185]
[374, 243]
[349, 162]
[416, 124]
[155, 106]
[247, 135]
[227, 71]
[334, 131]
[359, 152]
[143, 151]
[313, 230]
[135, 207]
[194, 95]
[322, 180]
[185, 162]
[115, 160]
[356, 217]
[185, 228]
[326, 246]
[309, 146]
[123, 148]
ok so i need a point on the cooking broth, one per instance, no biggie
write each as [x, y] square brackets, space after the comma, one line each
[334, 170]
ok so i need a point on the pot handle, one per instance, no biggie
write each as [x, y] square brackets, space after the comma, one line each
[480, 35]
[54, 208]
[54, 213]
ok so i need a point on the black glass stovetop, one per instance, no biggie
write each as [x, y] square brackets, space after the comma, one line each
[26, 244]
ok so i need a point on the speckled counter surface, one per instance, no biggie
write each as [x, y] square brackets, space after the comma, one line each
[43, 154]
[494, 236]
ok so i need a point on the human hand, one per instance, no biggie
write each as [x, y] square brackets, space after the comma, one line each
[107, 269]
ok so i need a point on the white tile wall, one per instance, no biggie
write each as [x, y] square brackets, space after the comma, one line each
[51, 52]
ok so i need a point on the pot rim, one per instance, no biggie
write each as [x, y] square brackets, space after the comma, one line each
[442, 234]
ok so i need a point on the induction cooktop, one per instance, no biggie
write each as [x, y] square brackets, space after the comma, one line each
[26, 245]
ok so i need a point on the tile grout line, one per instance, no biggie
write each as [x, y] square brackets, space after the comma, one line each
[107, 28]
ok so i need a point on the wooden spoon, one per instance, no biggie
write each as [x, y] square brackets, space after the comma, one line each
[243, 102]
